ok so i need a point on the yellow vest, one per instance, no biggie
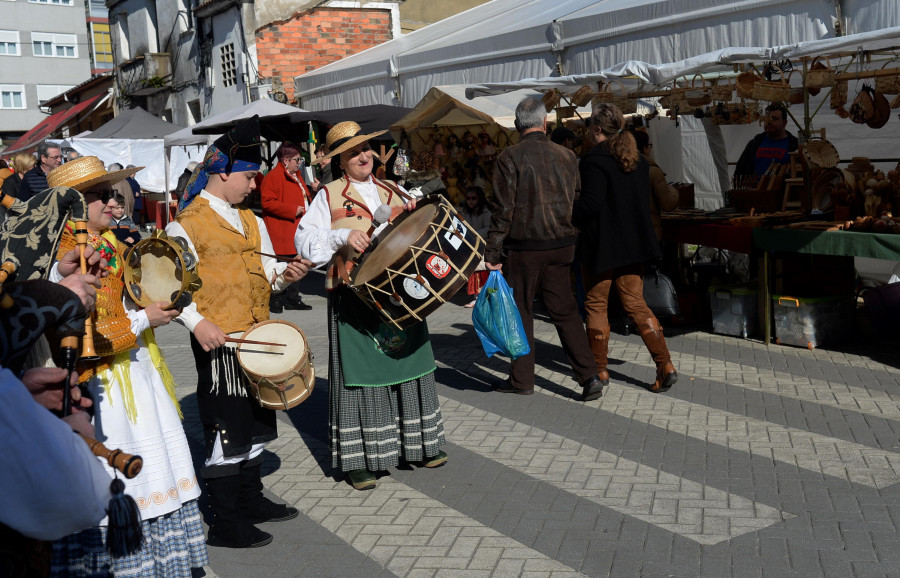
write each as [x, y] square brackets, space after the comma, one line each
[235, 291]
[349, 211]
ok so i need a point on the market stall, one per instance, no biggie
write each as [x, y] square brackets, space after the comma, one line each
[835, 197]
[465, 136]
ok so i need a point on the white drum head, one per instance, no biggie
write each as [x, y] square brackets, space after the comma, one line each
[160, 277]
[271, 360]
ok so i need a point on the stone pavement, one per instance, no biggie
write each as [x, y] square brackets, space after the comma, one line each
[761, 461]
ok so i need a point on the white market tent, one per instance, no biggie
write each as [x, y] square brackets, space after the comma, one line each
[135, 137]
[447, 106]
[706, 148]
[508, 40]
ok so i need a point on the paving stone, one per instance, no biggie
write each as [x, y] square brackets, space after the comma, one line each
[607, 488]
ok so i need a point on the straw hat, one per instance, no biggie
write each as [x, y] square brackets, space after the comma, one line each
[85, 172]
[344, 136]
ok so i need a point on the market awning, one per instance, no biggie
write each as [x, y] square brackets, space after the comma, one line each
[52, 123]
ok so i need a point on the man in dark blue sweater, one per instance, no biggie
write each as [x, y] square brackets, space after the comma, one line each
[35, 180]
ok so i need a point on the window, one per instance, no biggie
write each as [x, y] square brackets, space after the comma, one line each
[55, 45]
[47, 91]
[102, 46]
[229, 66]
[56, 2]
[12, 96]
[97, 9]
[9, 43]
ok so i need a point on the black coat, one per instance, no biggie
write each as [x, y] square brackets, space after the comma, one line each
[613, 213]
[11, 185]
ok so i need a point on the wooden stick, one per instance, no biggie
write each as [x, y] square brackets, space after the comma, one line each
[251, 342]
[279, 257]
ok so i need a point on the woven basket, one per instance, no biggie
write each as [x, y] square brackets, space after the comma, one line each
[838, 95]
[721, 90]
[888, 84]
[618, 98]
[820, 75]
[674, 98]
[797, 93]
[772, 90]
[551, 99]
[737, 113]
[697, 95]
[582, 96]
[821, 153]
[565, 112]
[744, 84]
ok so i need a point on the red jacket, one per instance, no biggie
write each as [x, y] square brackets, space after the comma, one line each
[281, 195]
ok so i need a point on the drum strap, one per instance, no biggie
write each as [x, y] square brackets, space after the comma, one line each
[397, 190]
[341, 269]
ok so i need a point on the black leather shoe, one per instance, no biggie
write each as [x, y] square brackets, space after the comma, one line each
[505, 387]
[269, 511]
[592, 388]
[275, 306]
[237, 536]
[298, 305]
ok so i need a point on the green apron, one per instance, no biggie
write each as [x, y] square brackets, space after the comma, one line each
[375, 353]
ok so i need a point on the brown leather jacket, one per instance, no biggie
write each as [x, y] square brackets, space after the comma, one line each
[535, 185]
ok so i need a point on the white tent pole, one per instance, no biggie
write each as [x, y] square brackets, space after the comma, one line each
[167, 197]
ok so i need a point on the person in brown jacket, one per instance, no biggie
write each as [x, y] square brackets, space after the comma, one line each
[663, 196]
[535, 184]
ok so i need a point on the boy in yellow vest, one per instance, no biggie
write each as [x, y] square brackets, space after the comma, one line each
[237, 283]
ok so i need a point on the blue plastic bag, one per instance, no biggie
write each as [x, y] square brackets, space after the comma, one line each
[497, 320]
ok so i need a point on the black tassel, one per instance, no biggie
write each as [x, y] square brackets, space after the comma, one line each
[124, 535]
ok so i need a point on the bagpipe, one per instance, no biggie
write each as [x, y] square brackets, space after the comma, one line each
[30, 306]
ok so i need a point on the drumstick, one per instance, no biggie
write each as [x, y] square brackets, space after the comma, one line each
[279, 257]
[251, 342]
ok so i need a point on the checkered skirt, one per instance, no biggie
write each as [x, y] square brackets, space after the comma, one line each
[173, 544]
[376, 427]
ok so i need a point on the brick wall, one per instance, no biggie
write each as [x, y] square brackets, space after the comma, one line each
[316, 37]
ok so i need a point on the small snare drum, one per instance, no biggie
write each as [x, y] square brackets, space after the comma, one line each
[280, 377]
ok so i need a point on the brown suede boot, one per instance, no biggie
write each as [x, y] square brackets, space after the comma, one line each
[652, 334]
[599, 340]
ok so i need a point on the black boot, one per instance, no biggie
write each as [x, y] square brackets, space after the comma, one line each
[275, 304]
[230, 528]
[253, 504]
[293, 301]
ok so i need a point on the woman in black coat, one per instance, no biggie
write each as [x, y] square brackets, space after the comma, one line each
[617, 238]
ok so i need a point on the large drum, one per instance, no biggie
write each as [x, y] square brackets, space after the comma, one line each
[161, 268]
[280, 377]
[419, 262]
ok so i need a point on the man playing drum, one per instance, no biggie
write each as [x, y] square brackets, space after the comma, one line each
[237, 282]
[383, 404]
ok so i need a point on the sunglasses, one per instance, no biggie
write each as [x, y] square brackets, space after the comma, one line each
[365, 149]
[105, 196]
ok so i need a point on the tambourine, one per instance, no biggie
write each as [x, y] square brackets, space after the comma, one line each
[161, 268]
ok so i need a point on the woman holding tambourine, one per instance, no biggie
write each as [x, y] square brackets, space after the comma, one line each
[136, 407]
